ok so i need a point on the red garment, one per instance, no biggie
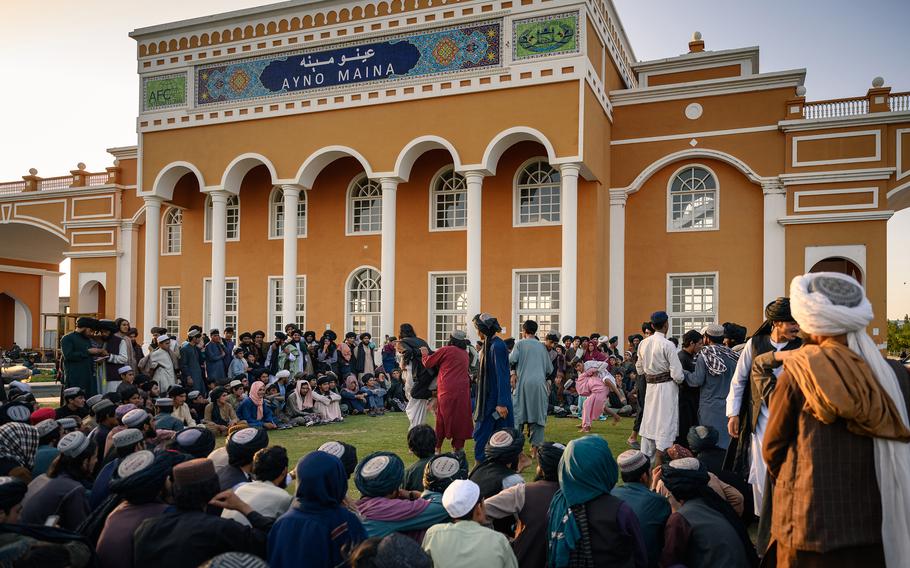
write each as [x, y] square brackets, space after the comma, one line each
[453, 384]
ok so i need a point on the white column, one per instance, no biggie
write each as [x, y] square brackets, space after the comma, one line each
[568, 286]
[387, 263]
[617, 261]
[126, 272]
[775, 242]
[150, 313]
[474, 227]
[50, 304]
[291, 195]
[219, 234]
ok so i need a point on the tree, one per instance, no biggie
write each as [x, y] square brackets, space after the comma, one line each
[899, 335]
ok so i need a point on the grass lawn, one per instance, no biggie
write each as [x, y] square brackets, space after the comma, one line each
[389, 433]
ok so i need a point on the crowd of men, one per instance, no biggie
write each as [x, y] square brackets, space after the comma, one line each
[802, 427]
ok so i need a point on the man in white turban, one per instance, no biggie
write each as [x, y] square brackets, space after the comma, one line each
[837, 437]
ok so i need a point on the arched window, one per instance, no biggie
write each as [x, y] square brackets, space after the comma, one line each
[173, 231]
[232, 232]
[276, 214]
[537, 195]
[692, 199]
[362, 301]
[449, 201]
[364, 206]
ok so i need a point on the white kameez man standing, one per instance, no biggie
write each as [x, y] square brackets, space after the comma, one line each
[659, 364]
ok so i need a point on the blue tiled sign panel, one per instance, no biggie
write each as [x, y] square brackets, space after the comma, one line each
[459, 48]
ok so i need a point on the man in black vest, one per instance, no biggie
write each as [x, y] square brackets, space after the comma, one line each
[117, 352]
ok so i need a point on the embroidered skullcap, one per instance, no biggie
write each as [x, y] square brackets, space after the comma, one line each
[504, 445]
[282, 374]
[12, 491]
[123, 410]
[630, 460]
[193, 333]
[459, 334]
[677, 451]
[193, 394]
[162, 338]
[398, 551]
[68, 423]
[460, 498]
[73, 444]
[345, 452]
[194, 471]
[701, 438]
[135, 418]
[164, 402]
[659, 318]
[93, 400]
[197, 441]
[685, 477]
[124, 370]
[234, 384]
[443, 469]
[714, 331]
[15, 412]
[72, 392]
[127, 438]
[47, 426]
[379, 474]
[243, 444]
[236, 560]
[141, 475]
[102, 405]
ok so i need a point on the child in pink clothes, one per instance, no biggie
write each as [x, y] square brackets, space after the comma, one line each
[593, 383]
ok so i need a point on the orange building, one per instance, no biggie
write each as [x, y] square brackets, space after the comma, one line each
[449, 158]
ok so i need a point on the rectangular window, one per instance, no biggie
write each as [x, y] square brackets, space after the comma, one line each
[537, 298]
[448, 306]
[170, 310]
[538, 205]
[276, 302]
[693, 302]
[231, 305]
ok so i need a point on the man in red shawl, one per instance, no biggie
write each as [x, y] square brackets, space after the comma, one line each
[453, 389]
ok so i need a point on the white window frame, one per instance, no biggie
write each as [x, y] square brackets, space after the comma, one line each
[302, 222]
[163, 306]
[274, 298]
[516, 195]
[207, 221]
[207, 308]
[165, 250]
[714, 317]
[516, 324]
[349, 210]
[433, 194]
[348, 314]
[431, 305]
[716, 190]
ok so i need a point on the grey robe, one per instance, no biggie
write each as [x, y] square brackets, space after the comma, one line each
[533, 365]
[712, 401]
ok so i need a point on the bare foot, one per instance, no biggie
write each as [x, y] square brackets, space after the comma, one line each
[523, 462]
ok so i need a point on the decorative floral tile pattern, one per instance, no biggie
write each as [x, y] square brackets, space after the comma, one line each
[545, 35]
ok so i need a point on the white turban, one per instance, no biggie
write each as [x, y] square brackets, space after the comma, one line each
[830, 303]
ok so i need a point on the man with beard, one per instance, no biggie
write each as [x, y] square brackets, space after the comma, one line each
[493, 408]
[78, 356]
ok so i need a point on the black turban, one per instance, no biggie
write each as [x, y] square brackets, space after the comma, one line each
[548, 456]
[12, 491]
[88, 322]
[487, 324]
[243, 445]
[735, 332]
[197, 441]
[330, 335]
[108, 325]
[443, 469]
[379, 474]
[779, 310]
[636, 336]
[685, 483]
[504, 445]
[701, 438]
[345, 452]
[140, 476]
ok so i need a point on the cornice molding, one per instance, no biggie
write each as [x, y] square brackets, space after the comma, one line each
[711, 87]
[836, 217]
[837, 176]
[870, 119]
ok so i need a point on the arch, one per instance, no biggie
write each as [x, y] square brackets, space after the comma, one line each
[703, 205]
[321, 158]
[693, 153]
[92, 297]
[841, 265]
[416, 148]
[368, 204]
[15, 321]
[899, 197]
[170, 174]
[846, 259]
[508, 138]
[362, 300]
[450, 186]
[240, 166]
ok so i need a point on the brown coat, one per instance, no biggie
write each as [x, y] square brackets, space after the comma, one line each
[826, 495]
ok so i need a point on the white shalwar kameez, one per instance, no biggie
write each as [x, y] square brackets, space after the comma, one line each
[758, 469]
[660, 422]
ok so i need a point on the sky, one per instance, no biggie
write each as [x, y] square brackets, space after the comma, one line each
[71, 89]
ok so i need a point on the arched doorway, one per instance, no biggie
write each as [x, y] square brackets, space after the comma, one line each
[92, 298]
[15, 323]
[838, 264]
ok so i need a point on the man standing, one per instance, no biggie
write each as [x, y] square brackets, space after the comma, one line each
[659, 364]
[190, 365]
[215, 353]
[714, 370]
[688, 394]
[417, 377]
[493, 409]
[117, 353]
[453, 390]
[747, 408]
[78, 356]
[839, 408]
[532, 366]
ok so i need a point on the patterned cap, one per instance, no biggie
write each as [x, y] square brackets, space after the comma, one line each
[45, 427]
[127, 438]
[630, 460]
[135, 418]
[73, 444]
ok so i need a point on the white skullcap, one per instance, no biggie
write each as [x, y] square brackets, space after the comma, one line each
[73, 444]
[282, 374]
[460, 498]
[691, 464]
[630, 460]
[124, 369]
